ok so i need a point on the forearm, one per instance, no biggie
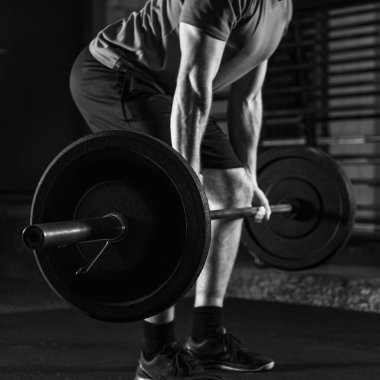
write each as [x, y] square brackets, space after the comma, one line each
[200, 59]
[191, 108]
[244, 124]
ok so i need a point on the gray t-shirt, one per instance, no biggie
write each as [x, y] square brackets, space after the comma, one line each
[148, 40]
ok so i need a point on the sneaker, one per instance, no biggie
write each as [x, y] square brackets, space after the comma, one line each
[221, 350]
[172, 363]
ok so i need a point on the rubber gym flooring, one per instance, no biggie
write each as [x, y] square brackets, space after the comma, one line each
[307, 343]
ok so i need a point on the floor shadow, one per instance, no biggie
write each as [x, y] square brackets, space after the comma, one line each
[300, 366]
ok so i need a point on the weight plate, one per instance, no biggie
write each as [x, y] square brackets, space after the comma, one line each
[312, 181]
[166, 210]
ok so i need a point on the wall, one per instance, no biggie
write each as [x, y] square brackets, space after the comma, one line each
[37, 115]
[116, 9]
[359, 97]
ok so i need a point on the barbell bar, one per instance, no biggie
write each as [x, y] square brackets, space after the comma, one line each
[246, 212]
[112, 227]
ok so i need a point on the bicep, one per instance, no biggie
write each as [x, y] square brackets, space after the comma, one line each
[250, 85]
[201, 54]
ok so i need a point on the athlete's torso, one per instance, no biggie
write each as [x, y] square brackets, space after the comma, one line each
[148, 40]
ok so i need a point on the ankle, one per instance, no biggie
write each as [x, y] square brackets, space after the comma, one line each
[206, 320]
[156, 336]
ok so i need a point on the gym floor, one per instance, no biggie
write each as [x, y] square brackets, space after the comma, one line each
[41, 338]
[307, 343]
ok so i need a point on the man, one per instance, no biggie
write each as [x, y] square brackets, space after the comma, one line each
[156, 73]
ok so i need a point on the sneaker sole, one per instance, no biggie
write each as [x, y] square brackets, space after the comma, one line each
[141, 375]
[137, 377]
[228, 367]
[142, 378]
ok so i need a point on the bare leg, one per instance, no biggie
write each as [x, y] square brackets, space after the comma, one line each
[165, 317]
[224, 188]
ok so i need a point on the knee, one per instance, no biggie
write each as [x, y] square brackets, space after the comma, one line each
[241, 191]
[229, 188]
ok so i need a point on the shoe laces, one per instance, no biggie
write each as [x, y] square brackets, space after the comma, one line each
[231, 344]
[183, 363]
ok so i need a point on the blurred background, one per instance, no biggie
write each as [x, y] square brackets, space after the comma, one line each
[322, 89]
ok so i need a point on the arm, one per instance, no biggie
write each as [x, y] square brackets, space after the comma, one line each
[245, 117]
[200, 59]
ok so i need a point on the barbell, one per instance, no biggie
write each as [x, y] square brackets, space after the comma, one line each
[121, 226]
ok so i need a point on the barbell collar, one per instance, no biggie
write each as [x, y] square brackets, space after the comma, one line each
[111, 227]
[236, 213]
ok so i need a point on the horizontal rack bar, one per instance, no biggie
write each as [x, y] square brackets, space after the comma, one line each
[316, 41]
[284, 56]
[350, 72]
[320, 110]
[345, 61]
[276, 117]
[348, 117]
[314, 24]
[327, 64]
[367, 207]
[353, 49]
[368, 220]
[364, 229]
[342, 95]
[285, 121]
[357, 94]
[307, 6]
[275, 79]
[315, 114]
[358, 160]
[329, 118]
[356, 12]
[347, 140]
[353, 25]
[317, 17]
[296, 89]
[373, 182]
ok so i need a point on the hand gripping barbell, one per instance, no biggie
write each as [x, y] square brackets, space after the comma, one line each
[120, 223]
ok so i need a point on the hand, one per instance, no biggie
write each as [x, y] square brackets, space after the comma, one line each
[260, 200]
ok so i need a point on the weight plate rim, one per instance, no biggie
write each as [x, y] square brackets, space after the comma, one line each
[327, 162]
[112, 313]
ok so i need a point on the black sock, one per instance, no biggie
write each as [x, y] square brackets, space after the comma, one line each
[156, 336]
[206, 320]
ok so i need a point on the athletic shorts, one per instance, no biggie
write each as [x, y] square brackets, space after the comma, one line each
[114, 100]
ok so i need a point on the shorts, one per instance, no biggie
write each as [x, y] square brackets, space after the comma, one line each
[115, 100]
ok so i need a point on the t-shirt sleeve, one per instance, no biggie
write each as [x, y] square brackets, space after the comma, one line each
[216, 17]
